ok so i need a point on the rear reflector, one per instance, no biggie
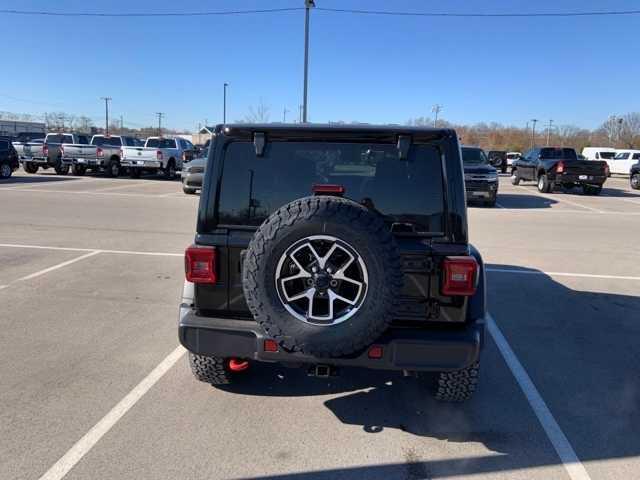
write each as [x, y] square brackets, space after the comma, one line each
[270, 346]
[200, 264]
[328, 189]
[459, 276]
[375, 352]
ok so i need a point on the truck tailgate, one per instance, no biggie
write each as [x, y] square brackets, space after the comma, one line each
[79, 152]
[133, 155]
[584, 167]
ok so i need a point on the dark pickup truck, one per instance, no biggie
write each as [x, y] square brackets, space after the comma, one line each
[329, 246]
[480, 178]
[550, 167]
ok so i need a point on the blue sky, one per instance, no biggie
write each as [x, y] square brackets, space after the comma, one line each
[362, 68]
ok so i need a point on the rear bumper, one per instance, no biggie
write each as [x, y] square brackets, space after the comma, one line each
[38, 160]
[141, 163]
[89, 162]
[575, 178]
[403, 349]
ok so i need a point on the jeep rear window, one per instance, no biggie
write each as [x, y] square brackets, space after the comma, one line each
[409, 193]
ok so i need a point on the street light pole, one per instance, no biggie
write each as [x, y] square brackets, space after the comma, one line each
[308, 4]
[533, 132]
[106, 114]
[224, 104]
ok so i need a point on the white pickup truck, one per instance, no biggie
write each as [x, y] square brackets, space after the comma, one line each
[109, 153]
[34, 155]
[168, 157]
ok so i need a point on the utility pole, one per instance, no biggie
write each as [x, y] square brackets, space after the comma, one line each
[160, 115]
[549, 131]
[106, 114]
[224, 103]
[121, 124]
[436, 109]
[284, 115]
[533, 132]
[308, 4]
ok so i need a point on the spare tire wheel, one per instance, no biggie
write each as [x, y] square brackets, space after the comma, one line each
[322, 276]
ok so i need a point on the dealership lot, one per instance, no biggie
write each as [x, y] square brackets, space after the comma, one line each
[92, 382]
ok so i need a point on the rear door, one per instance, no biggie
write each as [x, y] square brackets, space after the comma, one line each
[371, 174]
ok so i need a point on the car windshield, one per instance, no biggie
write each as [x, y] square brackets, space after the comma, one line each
[107, 141]
[473, 156]
[558, 153]
[371, 174]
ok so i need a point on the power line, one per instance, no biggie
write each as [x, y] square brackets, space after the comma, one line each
[329, 10]
[481, 15]
[148, 14]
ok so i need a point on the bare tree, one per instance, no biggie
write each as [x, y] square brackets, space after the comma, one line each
[259, 114]
[629, 132]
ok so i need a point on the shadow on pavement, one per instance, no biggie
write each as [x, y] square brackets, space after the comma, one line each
[20, 180]
[580, 348]
[524, 201]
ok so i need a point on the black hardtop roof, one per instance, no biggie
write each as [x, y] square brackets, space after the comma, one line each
[306, 131]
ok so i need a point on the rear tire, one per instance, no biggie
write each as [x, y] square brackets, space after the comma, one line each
[544, 185]
[62, 169]
[457, 386]
[113, 169]
[5, 170]
[170, 170]
[634, 181]
[189, 191]
[30, 167]
[515, 177]
[78, 170]
[212, 370]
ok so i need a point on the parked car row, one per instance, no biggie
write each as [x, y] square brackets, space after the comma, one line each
[550, 167]
[111, 154]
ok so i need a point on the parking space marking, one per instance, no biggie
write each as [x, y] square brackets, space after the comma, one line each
[51, 269]
[87, 192]
[119, 187]
[559, 440]
[98, 250]
[561, 274]
[93, 436]
[569, 202]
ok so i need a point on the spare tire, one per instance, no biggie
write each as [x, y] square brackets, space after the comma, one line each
[322, 275]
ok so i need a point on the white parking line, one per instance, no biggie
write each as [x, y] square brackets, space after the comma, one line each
[560, 274]
[98, 250]
[568, 202]
[119, 187]
[93, 436]
[50, 269]
[559, 440]
[87, 192]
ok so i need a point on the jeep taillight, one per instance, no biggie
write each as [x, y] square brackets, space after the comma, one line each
[99, 152]
[328, 189]
[200, 264]
[560, 167]
[460, 276]
[159, 155]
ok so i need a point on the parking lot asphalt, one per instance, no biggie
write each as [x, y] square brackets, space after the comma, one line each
[93, 386]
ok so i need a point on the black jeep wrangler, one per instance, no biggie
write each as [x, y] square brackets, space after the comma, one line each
[329, 246]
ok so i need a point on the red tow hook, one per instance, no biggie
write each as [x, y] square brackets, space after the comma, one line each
[237, 365]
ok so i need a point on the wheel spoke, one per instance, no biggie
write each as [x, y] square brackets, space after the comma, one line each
[309, 293]
[333, 296]
[323, 260]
